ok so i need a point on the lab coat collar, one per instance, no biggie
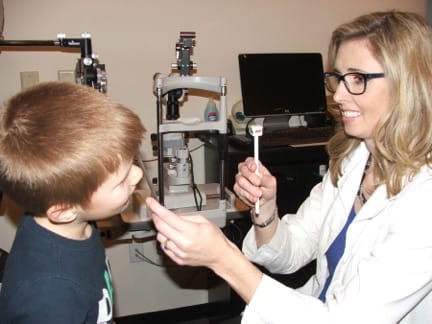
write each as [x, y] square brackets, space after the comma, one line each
[345, 193]
[354, 169]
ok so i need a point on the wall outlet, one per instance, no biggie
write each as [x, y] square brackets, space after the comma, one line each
[66, 76]
[135, 249]
[29, 78]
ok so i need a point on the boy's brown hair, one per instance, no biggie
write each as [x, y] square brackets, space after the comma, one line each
[59, 142]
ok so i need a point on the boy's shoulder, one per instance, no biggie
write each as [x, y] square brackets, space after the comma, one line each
[38, 253]
[46, 269]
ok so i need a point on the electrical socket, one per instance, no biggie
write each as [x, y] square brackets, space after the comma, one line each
[29, 78]
[66, 76]
[134, 249]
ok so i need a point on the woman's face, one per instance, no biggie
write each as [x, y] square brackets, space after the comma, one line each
[360, 113]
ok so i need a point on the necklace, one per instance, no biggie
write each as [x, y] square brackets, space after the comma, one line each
[360, 193]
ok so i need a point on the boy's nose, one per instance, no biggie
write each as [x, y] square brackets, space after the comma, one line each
[136, 174]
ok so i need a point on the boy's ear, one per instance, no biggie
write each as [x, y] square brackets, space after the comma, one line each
[61, 214]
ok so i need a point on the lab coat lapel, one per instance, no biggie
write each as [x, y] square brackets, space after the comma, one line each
[352, 172]
[344, 195]
[376, 203]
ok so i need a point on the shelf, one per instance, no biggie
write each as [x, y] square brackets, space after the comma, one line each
[174, 126]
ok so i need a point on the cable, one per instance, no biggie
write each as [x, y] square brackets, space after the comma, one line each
[234, 233]
[146, 259]
[196, 148]
[195, 189]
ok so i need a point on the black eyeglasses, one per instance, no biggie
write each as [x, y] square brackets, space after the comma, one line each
[355, 82]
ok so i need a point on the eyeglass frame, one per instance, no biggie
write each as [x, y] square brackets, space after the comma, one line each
[366, 77]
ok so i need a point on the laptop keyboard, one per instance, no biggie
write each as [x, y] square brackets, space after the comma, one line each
[297, 136]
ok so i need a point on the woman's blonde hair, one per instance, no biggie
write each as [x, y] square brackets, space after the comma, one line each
[402, 44]
[60, 141]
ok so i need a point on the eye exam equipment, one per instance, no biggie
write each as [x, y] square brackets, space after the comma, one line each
[185, 67]
[176, 188]
[88, 70]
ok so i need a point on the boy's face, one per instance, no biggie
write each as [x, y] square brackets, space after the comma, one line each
[112, 197]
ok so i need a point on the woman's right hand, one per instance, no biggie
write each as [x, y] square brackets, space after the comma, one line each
[251, 187]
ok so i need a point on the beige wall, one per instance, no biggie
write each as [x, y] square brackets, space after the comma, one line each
[136, 39]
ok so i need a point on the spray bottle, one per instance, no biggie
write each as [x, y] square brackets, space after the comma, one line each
[211, 112]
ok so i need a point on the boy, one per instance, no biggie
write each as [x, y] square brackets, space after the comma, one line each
[66, 155]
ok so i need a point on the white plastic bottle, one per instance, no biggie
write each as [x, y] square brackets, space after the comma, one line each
[211, 112]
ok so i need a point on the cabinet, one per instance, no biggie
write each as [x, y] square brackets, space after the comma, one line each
[297, 169]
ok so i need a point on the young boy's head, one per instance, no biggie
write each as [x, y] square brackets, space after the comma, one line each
[60, 141]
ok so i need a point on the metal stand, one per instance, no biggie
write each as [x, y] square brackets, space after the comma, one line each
[164, 84]
[88, 70]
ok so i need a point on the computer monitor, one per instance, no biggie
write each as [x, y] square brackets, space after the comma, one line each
[278, 84]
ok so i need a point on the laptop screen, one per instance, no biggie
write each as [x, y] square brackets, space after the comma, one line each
[282, 84]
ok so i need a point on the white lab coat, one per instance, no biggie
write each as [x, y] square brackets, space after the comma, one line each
[385, 273]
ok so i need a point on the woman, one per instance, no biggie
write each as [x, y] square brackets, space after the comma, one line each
[368, 222]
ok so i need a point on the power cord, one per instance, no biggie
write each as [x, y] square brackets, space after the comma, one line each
[196, 191]
[146, 259]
